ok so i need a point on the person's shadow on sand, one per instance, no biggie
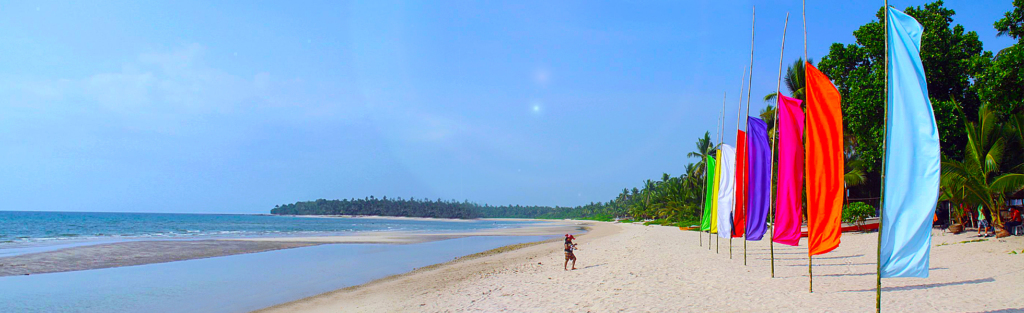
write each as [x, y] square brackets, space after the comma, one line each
[590, 266]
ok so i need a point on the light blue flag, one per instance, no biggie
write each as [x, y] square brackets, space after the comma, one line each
[912, 155]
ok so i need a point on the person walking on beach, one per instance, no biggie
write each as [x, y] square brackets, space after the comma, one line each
[984, 224]
[569, 246]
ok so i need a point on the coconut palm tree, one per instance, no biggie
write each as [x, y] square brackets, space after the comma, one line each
[794, 81]
[854, 175]
[979, 171]
[705, 147]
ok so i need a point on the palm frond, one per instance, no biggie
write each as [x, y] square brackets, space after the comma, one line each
[855, 177]
[1007, 183]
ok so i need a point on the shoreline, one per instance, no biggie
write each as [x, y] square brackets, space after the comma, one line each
[636, 268]
[142, 252]
[364, 297]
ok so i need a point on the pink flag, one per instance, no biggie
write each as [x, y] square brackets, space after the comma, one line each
[791, 171]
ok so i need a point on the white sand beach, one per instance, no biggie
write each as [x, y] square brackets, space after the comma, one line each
[635, 268]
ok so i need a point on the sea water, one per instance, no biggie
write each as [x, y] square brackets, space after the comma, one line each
[236, 283]
[18, 226]
[27, 232]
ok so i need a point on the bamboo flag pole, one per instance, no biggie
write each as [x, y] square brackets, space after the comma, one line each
[885, 146]
[778, 99]
[721, 129]
[810, 271]
[721, 120]
[753, 17]
[700, 232]
[739, 110]
[718, 128]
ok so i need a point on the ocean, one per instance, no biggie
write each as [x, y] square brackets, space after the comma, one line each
[234, 283]
[27, 229]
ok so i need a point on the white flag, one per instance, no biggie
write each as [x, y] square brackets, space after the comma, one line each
[726, 191]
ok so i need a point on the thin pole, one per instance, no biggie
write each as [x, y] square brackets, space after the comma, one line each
[721, 140]
[718, 128]
[739, 110]
[753, 17]
[885, 146]
[778, 100]
[804, 12]
[718, 132]
[810, 270]
[700, 222]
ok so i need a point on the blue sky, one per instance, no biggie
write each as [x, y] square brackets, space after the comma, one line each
[235, 106]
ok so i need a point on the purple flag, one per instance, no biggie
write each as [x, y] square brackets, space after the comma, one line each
[759, 184]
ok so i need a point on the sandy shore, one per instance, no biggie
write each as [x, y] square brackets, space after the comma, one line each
[636, 268]
[148, 252]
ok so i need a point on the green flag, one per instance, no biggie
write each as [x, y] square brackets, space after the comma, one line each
[709, 198]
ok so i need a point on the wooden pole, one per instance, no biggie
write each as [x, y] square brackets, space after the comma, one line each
[753, 18]
[810, 270]
[721, 142]
[778, 99]
[885, 146]
[718, 128]
[739, 111]
[700, 232]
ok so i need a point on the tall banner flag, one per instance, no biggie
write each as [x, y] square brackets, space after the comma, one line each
[759, 158]
[740, 214]
[911, 155]
[825, 164]
[709, 181]
[726, 190]
[714, 195]
[788, 215]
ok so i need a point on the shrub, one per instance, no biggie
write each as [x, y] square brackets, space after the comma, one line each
[857, 212]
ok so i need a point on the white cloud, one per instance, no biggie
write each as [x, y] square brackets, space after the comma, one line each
[153, 91]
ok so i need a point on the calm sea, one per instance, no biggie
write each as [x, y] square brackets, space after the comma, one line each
[18, 229]
[235, 283]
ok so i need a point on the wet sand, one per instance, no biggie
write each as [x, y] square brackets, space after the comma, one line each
[132, 253]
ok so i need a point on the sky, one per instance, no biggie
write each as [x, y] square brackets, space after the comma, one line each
[237, 106]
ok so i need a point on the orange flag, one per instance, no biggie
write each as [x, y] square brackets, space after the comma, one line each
[824, 157]
[740, 213]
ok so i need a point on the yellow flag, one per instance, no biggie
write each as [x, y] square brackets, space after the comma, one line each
[714, 204]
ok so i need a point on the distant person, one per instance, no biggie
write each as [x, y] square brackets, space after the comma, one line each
[569, 246]
[1015, 219]
[983, 224]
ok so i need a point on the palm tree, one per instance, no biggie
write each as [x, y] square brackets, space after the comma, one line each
[854, 175]
[768, 116]
[704, 148]
[794, 81]
[979, 171]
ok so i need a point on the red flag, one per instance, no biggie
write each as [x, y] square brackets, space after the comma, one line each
[739, 215]
[825, 166]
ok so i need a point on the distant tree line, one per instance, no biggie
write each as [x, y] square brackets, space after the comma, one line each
[381, 207]
[443, 209]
